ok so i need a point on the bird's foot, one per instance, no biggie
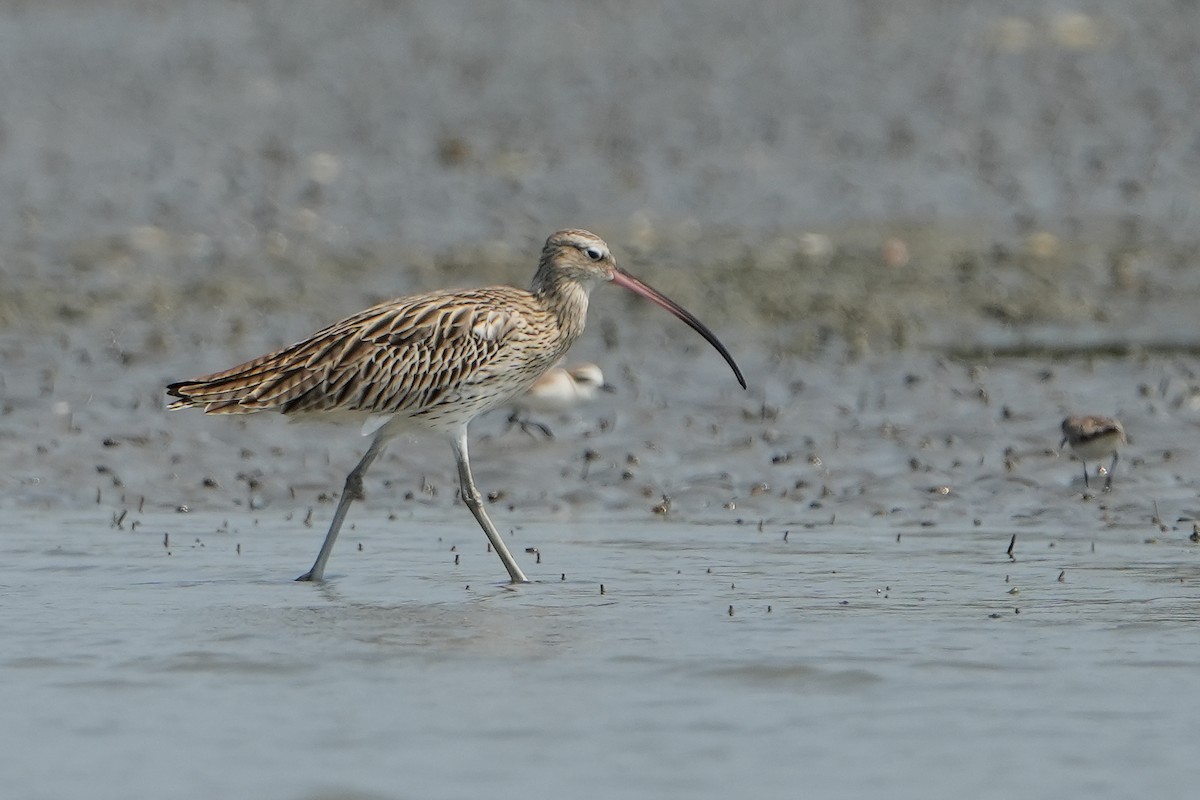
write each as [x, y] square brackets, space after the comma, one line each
[526, 424]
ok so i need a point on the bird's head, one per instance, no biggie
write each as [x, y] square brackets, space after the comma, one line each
[575, 260]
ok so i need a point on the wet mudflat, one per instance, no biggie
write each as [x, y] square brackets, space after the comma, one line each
[807, 584]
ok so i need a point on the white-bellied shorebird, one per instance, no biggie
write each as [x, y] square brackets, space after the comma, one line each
[1093, 438]
[559, 389]
[434, 361]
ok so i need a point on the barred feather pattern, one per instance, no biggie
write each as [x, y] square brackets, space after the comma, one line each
[439, 358]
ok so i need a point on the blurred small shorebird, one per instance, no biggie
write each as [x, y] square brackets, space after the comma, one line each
[559, 389]
[432, 361]
[1092, 439]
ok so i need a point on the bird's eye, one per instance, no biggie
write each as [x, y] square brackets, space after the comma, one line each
[594, 253]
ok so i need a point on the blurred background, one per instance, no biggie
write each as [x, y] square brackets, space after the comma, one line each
[184, 185]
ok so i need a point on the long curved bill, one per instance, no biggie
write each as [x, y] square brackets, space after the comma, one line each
[624, 279]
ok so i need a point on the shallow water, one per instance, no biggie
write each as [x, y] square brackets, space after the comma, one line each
[875, 651]
[855, 516]
[851, 664]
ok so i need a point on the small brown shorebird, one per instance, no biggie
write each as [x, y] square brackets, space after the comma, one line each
[559, 389]
[432, 361]
[1093, 438]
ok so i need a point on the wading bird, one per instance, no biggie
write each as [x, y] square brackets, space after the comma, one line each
[559, 389]
[432, 361]
[1094, 438]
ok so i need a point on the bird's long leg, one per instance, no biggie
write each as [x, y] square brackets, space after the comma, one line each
[474, 501]
[1086, 485]
[1112, 467]
[352, 492]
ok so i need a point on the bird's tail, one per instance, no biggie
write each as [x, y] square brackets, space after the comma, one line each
[267, 382]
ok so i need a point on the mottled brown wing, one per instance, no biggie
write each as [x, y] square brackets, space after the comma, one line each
[404, 356]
